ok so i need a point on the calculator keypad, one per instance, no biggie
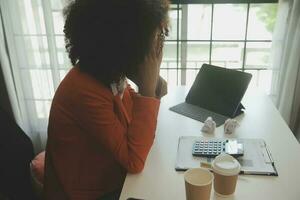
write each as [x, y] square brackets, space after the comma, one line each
[208, 148]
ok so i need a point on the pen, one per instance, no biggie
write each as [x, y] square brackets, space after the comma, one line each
[269, 154]
[258, 173]
[272, 162]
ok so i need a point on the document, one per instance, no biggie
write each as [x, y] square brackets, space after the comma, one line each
[257, 158]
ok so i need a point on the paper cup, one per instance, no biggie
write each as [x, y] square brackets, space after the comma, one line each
[198, 183]
[226, 169]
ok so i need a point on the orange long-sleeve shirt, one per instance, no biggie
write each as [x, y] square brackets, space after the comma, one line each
[94, 138]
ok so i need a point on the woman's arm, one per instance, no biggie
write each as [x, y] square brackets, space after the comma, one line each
[129, 146]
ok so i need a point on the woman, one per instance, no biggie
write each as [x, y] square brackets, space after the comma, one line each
[99, 128]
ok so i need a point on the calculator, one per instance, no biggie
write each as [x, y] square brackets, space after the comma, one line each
[214, 147]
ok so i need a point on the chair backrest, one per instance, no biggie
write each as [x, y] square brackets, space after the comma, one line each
[16, 153]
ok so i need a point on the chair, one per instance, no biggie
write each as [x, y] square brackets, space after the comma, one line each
[16, 153]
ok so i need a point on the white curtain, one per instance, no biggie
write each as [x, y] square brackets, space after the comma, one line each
[33, 30]
[8, 78]
[286, 61]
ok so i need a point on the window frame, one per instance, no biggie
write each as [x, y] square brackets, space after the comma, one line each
[181, 44]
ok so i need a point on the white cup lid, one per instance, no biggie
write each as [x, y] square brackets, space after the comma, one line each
[226, 165]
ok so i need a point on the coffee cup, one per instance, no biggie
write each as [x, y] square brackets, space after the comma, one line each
[198, 182]
[226, 169]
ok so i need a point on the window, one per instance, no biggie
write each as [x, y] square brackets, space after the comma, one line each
[237, 36]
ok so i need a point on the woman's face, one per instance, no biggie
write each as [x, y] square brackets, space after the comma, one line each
[157, 42]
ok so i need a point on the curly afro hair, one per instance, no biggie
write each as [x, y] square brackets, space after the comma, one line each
[109, 39]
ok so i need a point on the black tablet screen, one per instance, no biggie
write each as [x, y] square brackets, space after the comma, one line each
[218, 89]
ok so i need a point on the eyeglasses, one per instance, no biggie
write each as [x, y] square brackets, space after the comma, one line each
[163, 34]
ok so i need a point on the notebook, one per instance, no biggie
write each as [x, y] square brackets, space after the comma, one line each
[216, 92]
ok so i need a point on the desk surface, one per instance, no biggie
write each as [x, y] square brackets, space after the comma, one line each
[159, 180]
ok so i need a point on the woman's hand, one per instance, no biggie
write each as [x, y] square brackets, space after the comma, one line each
[148, 74]
[161, 88]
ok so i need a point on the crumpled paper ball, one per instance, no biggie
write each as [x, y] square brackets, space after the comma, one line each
[209, 125]
[230, 126]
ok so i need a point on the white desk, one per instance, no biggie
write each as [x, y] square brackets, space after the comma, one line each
[159, 180]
